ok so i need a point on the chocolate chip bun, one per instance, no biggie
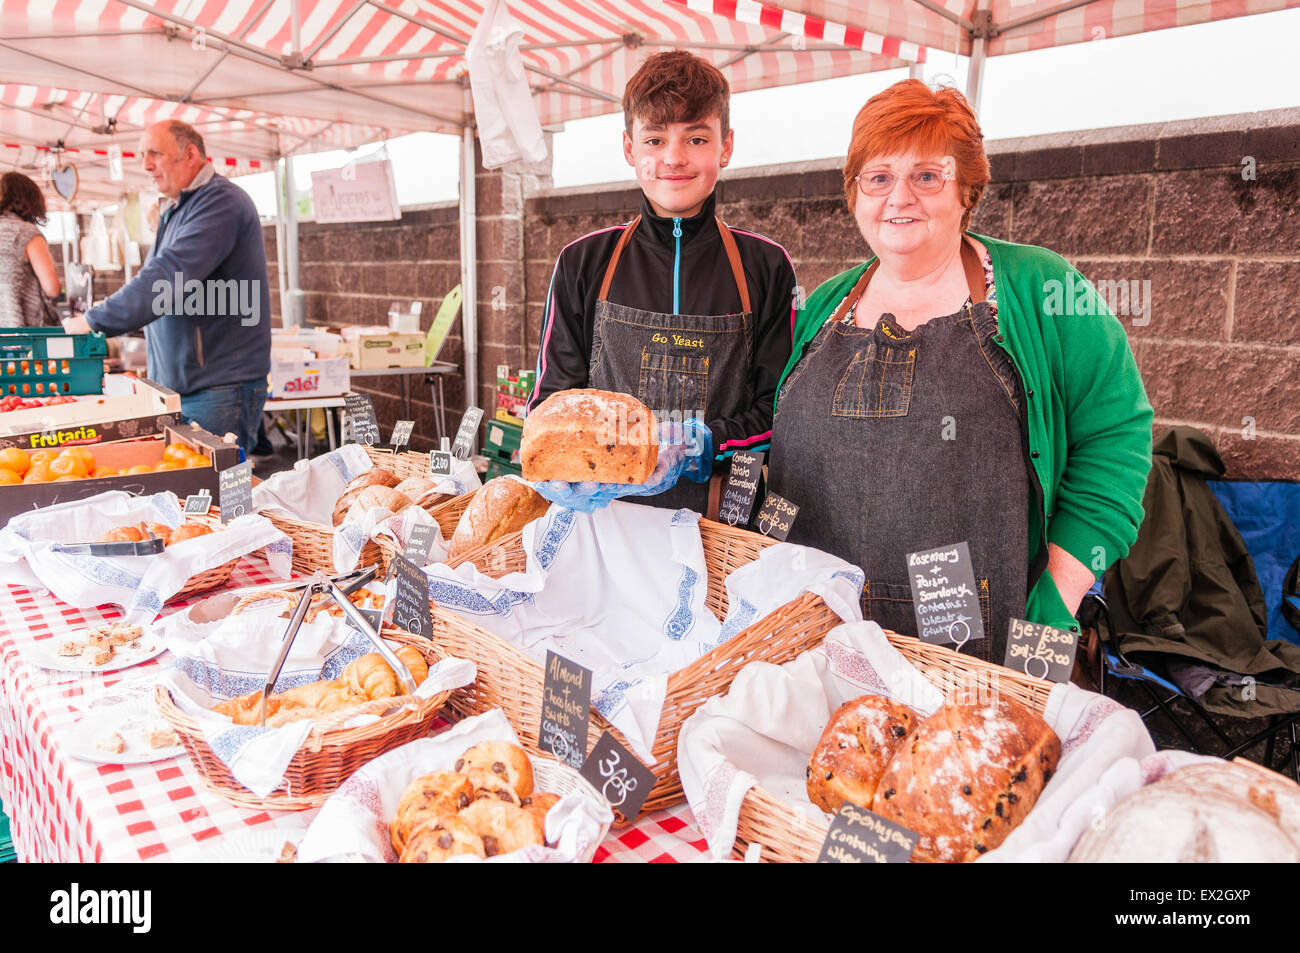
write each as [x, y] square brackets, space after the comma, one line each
[502, 827]
[855, 749]
[489, 786]
[505, 760]
[439, 839]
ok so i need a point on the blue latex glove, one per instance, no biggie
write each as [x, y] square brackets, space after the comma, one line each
[685, 450]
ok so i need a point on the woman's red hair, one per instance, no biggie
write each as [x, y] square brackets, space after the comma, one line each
[910, 116]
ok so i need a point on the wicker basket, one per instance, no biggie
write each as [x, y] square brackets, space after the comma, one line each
[447, 514]
[789, 836]
[511, 681]
[212, 578]
[329, 755]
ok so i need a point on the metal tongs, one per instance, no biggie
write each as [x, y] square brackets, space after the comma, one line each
[322, 584]
[145, 547]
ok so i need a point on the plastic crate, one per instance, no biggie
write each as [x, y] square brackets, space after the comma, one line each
[7, 852]
[46, 362]
[496, 468]
[502, 441]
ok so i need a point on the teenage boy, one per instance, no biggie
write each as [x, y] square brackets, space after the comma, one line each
[691, 317]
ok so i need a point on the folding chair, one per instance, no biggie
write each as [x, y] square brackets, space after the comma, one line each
[1161, 692]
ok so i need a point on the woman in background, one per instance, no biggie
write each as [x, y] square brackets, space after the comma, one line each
[28, 280]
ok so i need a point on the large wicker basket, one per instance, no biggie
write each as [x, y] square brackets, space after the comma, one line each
[447, 514]
[313, 543]
[212, 578]
[329, 755]
[508, 679]
[788, 836]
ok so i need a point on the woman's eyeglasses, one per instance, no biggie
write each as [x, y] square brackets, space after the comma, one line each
[922, 182]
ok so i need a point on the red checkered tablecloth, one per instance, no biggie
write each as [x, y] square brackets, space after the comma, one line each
[64, 809]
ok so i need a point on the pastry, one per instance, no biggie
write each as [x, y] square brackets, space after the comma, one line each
[538, 804]
[502, 506]
[161, 530]
[967, 776]
[370, 677]
[375, 476]
[98, 654]
[502, 827]
[439, 839]
[489, 786]
[163, 738]
[188, 531]
[309, 695]
[508, 762]
[579, 435]
[122, 534]
[1205, 813]
[114, 744]
[427, 798]
[855, 749]
[72, 649]
[410, 656]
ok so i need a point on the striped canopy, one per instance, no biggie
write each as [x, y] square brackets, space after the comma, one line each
[264, 78]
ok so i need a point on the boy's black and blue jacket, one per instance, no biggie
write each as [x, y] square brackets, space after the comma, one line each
[654, 275]
[212, 235]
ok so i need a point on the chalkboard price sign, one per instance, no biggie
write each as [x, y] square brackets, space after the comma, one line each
[235, 490]
[361, 413]
[418, 544]
[401, 438]
[742, 486]
[440, 463]
[857, 836]
[619, 775]
[776, 516]
[944, 596]
[198, 502]
[1041, 650]
[566, 709]
[466, 432]
[411, 600]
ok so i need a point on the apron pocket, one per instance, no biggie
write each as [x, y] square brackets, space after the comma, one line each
[674, 386]
[878, 382]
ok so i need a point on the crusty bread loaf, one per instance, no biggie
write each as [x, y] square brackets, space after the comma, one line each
[375, 476]
[855, 749]
[1204, 813]
[580, 435]
[967, 776]
[502, 506]
[376, 496]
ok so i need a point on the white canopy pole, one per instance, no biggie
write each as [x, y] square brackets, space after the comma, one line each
[983, 20]
[468, 257]
[292, 316]
[280, 238]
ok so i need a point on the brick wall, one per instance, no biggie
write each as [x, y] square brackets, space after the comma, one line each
[1219, 345]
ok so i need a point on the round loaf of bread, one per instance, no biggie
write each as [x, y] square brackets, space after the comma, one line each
[967, 776]
[188, 531]
[122, 534]
[375, 476]
[581, 435]
[414, 487]
[502, 506]
[1204, 813]
[855, 749]
[376, 496]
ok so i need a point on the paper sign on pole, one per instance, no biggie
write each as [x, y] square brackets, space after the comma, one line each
[367, 193]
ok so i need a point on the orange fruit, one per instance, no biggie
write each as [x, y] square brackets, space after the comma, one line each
[39, 473]
[8, 477]
[83, 454]
[64, 479]
[137, 469]
[11, 458]
[176, 453]
[166, 465]
[43, 456]
[196, 460]
[68, 464]
[100, 472]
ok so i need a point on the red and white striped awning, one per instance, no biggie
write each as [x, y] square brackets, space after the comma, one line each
[260, 81]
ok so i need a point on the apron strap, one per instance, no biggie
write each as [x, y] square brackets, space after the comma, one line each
[728, 242]
[613, 259]
[970, 262]
[737, 269]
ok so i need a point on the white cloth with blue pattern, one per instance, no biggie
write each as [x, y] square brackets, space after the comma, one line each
[230, 657]
[621, 591]
[139, 584]
[309, 491]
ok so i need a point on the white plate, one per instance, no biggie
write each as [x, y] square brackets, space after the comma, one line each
[133, 720]
[260, 846]
[46, 654]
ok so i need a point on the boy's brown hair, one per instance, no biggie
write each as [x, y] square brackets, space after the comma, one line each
[676, 86]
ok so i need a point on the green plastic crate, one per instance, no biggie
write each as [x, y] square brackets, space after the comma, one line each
[502, 442]
[47, 362]
[496, 468]
[7, 853]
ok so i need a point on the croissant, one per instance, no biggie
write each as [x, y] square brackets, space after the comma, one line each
[247, 709]
[410, 656]
[370, 677]
[309, 695]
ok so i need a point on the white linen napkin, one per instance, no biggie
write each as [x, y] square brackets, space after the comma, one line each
[354, 821]
[309, 491]
[764, 729]
[139, 584]
[621, 591]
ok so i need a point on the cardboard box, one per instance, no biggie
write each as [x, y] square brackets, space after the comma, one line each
[322, 377]
[385, 348]
[146, 408]
[125, 453]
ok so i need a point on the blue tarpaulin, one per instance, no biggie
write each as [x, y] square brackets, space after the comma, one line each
[1267, 514]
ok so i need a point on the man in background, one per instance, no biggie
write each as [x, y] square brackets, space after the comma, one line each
[202, 296]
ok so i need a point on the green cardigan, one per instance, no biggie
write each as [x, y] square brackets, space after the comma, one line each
[1088, 414]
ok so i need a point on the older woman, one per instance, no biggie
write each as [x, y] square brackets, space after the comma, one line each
[28, 279]
[933, 396]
